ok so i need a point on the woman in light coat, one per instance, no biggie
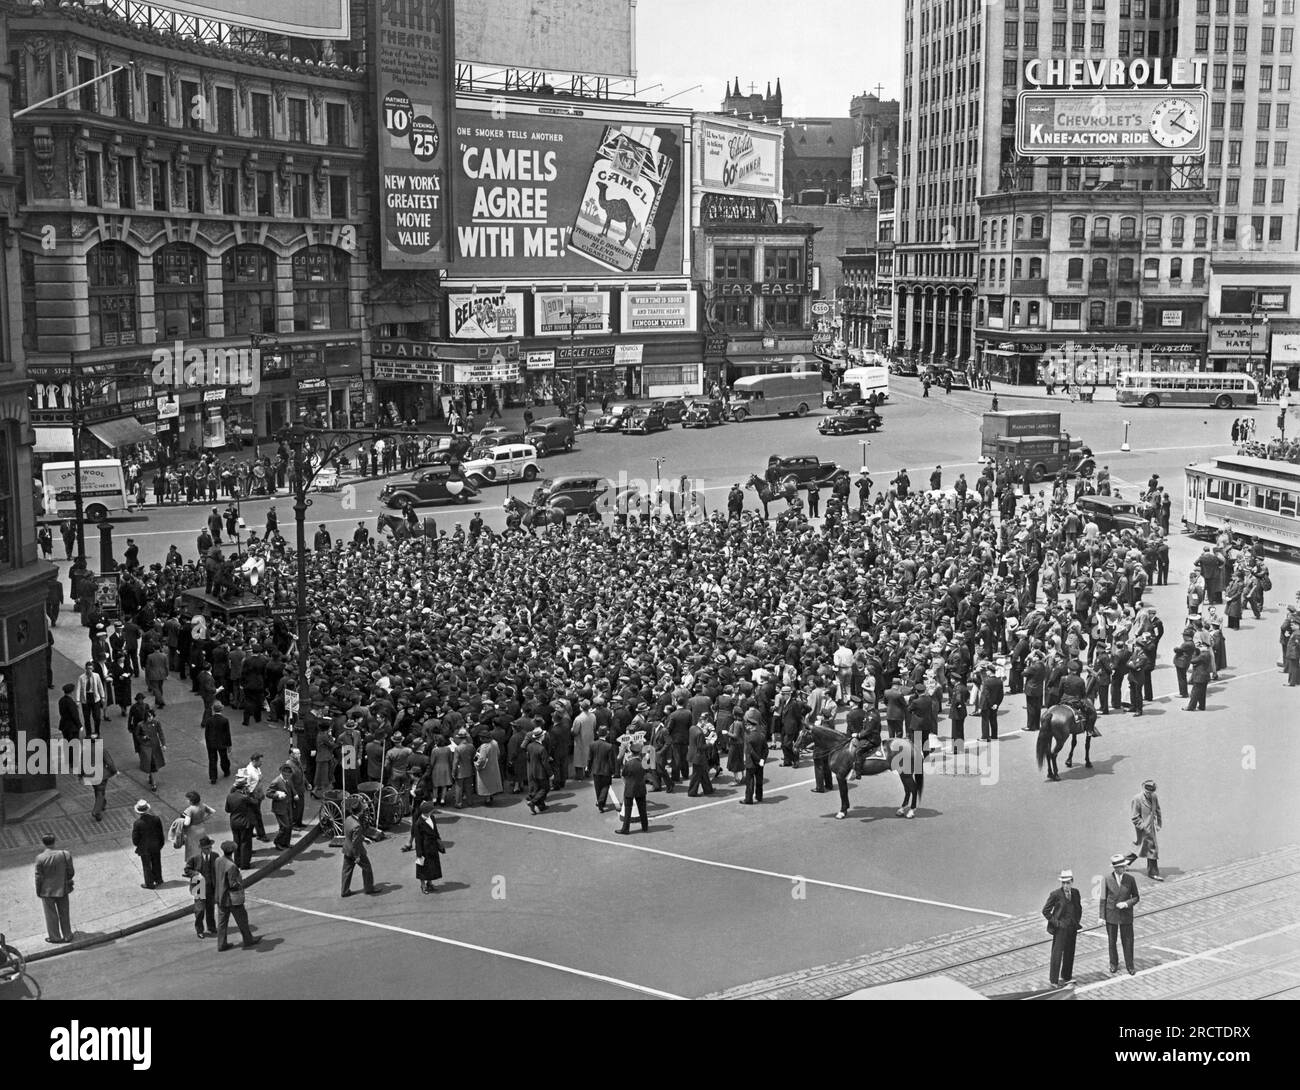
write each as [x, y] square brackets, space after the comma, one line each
[440, 768]
[584, 733]
[487, 770]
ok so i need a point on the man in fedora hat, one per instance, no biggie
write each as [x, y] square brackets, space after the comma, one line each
[1144, 812]
[354, 851]
[148, 838]
[1064, 914]
[538, 765]
[200, 869]
[230, 899]
[1119, 895]
[634, 789]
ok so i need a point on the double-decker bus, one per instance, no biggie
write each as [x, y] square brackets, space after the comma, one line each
[1190, 389]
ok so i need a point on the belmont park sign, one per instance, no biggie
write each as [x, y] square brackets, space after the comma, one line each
[212, 367]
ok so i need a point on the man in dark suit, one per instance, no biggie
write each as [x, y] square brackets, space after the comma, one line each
[1119, 895]
[148, 837]
[633, 790]
[1064, 915]
[697, 759]
[69, 714]
[216, 736]
[600, 762]
[230, 899]
[1035, 684]
[284, 803]
[355, 854]
[895, 709]
[54, 874]
[1202, 667]
[679, 731]
[203, 867]
[755, 758]
[990, 701]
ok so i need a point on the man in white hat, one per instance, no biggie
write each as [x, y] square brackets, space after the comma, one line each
[1118, 896]
[148, 838]
[1064, 915]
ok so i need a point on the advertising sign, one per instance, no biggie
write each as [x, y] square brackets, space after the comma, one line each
[740, 160]
[585, 355]
[719, 208]
[1286, 348]
[570, 313]
[1059, 123]
[1171, 319]
[485, 317]
[821, 308]
[438, 350]
[658, 311]
[589, 36]
[559, 191]
[295, 18]
[486, 372]
[540, 361]
[628, 355]
[412, 59]
[1238, 337]
[856, 170]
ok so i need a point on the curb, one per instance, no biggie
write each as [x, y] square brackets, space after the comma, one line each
[172, 914]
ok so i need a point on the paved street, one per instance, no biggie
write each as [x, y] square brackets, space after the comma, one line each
[718, 895]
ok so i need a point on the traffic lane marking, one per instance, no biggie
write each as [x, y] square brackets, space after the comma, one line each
[738, 867]
[474, 947]
[670, 812]
[1207, 955]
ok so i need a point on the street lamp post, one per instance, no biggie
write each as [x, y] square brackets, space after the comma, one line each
[1283, 403]
[864, 443]
[78, 500]
[1124, 446]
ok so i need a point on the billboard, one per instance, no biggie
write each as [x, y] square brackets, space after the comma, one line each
[485, 317]
[739, 159]
[413, 71]
[570, 313]
[856, 169]
[658, 311]
[294, 18]
[1111, 121]
[543, 191]
[585, 36]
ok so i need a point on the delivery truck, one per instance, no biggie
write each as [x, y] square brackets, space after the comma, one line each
[1015, 424]
[103, 489]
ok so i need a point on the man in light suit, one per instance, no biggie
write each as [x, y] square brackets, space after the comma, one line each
[1119, 895]
[54, 874]
[230, 899]
[1064, 915]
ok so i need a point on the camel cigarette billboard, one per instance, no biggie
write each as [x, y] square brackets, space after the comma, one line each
[295, 18]
[549, 191]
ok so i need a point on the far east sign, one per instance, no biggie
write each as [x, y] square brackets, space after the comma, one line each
[1107, 121]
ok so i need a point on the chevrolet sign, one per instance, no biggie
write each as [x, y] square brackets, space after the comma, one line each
[1109, 122]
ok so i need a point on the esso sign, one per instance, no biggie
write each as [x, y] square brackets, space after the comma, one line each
[821, 308]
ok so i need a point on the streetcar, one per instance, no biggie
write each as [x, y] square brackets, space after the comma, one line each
[1187, 389]
[1248, 497]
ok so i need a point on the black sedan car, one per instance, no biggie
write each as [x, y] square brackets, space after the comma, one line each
[437, 485]
[704, 414]
[855, 418]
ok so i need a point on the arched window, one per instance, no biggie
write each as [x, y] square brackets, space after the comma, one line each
[1153, 227]
[320, 288]
[1036, 227]
[179, 291]
[984, 233]
[1128, 227]
[1020, 227]
[1017, 269]
[984, 268]
[1100, 269]
[1076, 228]
[1202, 230]
[113, 269]
[1035, 268]
[1198, 270]
[1002, 270]
[1074, 270]
[1176, 268]
[1151, 268]
[1101, 227]
[1177, 228]
[1096, 314]
[248, 290]
[1125, 269]
[1015, 312]
[1124, 313]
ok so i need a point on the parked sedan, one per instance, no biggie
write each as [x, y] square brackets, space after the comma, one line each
[674, 408]
[704, 414]
[645, 419]
[855, 418]
[613, 419]
[437, 485]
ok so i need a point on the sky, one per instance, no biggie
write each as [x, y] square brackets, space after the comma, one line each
[824, 51]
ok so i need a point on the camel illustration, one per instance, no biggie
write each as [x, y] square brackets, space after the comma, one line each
[616, 210]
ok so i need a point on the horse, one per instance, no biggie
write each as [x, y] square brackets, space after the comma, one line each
[395, 525]
[847, 756]
[1058, 723]
[766, 493]
[531, 517]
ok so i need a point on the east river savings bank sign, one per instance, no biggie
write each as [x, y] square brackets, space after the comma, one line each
[1136, 107]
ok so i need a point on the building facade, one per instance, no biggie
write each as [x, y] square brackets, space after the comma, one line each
[24, 579]
[196, 228]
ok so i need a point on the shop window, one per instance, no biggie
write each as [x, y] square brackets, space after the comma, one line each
[783, 265]
[112, 269]
[735, 313]
[248, 290]
[733, 263]
[180, 291]
[784, 313]
[320, 288]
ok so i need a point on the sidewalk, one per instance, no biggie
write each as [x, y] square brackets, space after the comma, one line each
[108, 894]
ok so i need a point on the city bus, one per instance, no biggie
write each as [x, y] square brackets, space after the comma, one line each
[791, 393]
[1191, 389]
[1247, 497]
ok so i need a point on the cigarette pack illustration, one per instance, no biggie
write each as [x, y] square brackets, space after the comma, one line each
[615, 222]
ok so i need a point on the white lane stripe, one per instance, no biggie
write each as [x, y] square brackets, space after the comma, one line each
[731, 798]
[1188, 954]
[1208, 955]
[737, 866]
[472, 946]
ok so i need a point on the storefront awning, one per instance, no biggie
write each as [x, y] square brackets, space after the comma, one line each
[53, 440]
[120, 433]
[786, 361]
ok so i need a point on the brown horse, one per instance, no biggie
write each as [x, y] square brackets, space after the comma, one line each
[1056, 725]
[846, 757]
